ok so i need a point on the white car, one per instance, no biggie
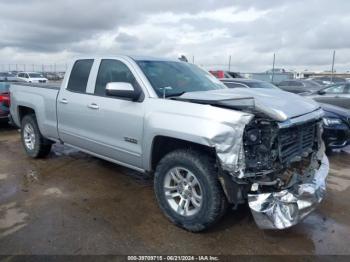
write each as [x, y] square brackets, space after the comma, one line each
[32, 77]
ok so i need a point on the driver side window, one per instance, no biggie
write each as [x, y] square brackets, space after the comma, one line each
[112, 71]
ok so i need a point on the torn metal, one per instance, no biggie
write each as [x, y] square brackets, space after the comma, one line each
[280, 210]
[228, 145]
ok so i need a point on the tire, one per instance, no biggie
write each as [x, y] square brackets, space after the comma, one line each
[39, 147]
[213, 203]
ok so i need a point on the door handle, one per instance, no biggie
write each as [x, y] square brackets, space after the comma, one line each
[64, 101]
[93, 106]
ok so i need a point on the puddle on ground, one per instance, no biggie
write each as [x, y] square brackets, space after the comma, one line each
[326, 233]
[12, 219]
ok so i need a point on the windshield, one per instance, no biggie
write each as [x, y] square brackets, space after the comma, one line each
[175, 78]
[35, 75]
[261, 85]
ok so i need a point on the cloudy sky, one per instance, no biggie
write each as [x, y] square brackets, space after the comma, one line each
[301, 33]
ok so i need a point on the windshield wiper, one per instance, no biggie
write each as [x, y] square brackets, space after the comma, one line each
[175, 94]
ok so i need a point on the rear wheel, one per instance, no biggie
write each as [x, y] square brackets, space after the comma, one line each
[34, 143]
[188, 190]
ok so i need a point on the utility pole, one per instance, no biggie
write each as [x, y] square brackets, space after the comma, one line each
[273, 67]
[229, 63]
[333, 65]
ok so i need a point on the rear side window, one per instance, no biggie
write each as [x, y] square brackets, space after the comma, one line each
[112, 71]
[79, 76]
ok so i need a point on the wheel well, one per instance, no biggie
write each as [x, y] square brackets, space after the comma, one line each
[23, 111]
[162, 145]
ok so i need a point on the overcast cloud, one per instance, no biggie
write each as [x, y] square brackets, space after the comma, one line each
[301, 33]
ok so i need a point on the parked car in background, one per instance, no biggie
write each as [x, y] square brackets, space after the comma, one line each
[4, 101]
[336, 121]
[247, 83]
[225, 74]
[7, 77]
[52, 76]
[337, 94]
[3, 76]
[336, 126]
[32, 77]
[327, 80]
[208, 146]
[298, 86]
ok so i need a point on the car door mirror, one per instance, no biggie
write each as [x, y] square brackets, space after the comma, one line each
[122, 90]
[321, 92]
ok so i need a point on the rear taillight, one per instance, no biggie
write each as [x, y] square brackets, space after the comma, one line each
[5, 99]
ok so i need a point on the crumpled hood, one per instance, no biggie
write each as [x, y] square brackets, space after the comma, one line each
[275, 103]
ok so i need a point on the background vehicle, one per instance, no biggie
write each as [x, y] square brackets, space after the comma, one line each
[336, 120]
[52, 76]
[327, 80]
[4, 101]
[338, 95]
[247, 83]
[179, 122]
[3, 76]
[31, 77]
[336, 126]
[299, 86]
[225, 74]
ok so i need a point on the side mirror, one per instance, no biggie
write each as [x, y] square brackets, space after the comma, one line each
[321, 92]
[122, 90]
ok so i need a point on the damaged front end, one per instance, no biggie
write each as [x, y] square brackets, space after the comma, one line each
[273, 157]
[286, 170]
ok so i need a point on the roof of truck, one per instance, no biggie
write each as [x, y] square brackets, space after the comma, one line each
[152, 58]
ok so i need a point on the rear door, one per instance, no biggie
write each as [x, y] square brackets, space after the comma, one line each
[72, 112]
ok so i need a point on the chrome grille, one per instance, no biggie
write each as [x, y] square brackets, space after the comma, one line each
[297, 141]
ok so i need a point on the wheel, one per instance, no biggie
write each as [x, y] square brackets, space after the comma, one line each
[34, 143]
[188, 190]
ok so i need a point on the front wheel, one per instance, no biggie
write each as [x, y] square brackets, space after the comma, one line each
[34, 143]
[188, 190]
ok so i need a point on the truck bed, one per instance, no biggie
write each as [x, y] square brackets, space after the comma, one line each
[42, 99]
[46, 85]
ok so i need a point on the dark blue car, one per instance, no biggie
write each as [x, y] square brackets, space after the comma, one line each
[336, 124]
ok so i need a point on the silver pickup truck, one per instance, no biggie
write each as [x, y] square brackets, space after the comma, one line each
[209, 147]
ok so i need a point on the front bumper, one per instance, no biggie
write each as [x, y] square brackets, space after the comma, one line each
[280, 210]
